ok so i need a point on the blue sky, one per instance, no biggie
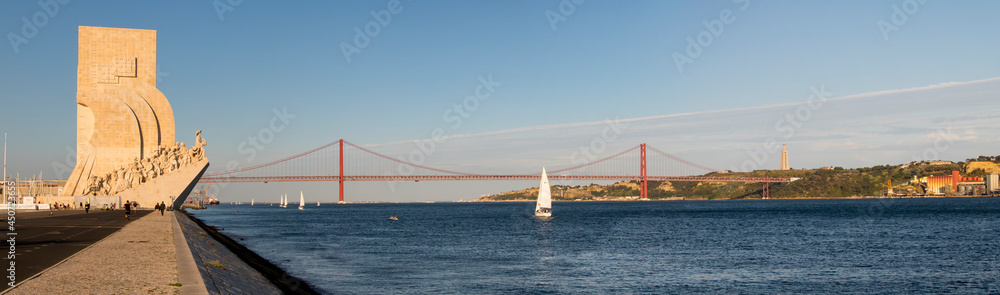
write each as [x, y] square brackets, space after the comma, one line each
[607, 59]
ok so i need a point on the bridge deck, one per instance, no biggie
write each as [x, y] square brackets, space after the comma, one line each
[488, 177]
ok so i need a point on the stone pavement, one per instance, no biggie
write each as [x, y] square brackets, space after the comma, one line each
[153, 254]
[138, 258]
[42, 240]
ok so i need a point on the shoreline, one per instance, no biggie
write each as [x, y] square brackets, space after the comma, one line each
[678, 200]
[278, 277]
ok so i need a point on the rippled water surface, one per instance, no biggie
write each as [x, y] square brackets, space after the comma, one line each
[771, 246]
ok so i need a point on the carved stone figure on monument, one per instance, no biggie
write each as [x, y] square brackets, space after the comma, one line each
[123, 184]
[119, 181]
[198, 141]
[97, 186]
[164, 164]
[152, 170]
[91, 186]
[106, 184]
[112, 182]
[198, 151]
[142, 171]
[101, 184]
[134, 174]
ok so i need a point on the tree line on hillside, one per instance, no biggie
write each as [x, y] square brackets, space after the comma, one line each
[820, 183]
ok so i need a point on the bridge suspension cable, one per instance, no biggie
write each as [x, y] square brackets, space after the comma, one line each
[343, 161]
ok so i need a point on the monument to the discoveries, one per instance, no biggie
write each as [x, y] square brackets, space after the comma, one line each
[125, 126]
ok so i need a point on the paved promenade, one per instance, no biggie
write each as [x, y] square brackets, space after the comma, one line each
[100, 253]
[138, 257]
[43, 240]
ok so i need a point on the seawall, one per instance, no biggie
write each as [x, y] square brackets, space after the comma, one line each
[228, 267]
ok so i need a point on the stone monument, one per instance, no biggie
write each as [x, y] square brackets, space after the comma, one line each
[125, 126]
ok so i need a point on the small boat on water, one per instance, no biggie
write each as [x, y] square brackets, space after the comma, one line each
[544, 206]
[251, 201]
[284, 201]
[317, 203]
[302, 201]
[393, 218]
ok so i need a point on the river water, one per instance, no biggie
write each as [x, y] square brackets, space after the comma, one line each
[900, 246]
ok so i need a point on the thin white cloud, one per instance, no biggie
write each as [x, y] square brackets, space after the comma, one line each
[868, 123]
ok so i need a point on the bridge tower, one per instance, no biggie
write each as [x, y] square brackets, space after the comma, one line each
[642, 168]
[341, 172]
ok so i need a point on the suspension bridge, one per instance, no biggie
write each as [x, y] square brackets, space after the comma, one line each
[342, 161]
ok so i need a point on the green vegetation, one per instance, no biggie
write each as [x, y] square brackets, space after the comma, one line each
[835, 183]
[994, 159]
[215, 263]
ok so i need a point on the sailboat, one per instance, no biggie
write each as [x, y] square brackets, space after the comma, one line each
[251, 201]
[317, 203]
[302, 201]
[544, 206]
[284, 201]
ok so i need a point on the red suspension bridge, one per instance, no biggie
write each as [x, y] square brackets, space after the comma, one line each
[329, 162]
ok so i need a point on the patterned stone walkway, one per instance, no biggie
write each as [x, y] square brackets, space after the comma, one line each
[138, 259]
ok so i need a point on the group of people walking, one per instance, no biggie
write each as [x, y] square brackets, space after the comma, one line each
[129, 206]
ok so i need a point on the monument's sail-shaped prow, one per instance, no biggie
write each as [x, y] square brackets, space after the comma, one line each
[125, 125]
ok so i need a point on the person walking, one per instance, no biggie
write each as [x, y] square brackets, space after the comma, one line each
[86, 208]
[128, 209]
[163, 207]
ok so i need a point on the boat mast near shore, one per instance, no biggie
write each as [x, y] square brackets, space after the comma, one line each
[302, 201]
[544, 206]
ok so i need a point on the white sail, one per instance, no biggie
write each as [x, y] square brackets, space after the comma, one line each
[302, 201]
[251, 201]
[317, 203]
[544, 205]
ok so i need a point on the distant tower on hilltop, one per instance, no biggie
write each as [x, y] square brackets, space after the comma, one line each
[784, 158]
